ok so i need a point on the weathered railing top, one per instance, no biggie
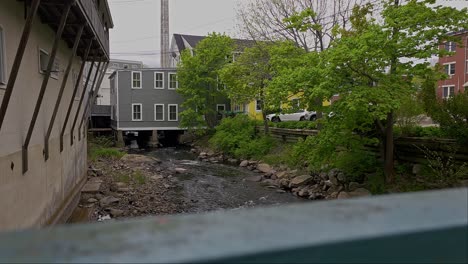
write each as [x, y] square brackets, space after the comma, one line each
[423, 227]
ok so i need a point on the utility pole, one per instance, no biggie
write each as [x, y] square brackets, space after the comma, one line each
[165, 34]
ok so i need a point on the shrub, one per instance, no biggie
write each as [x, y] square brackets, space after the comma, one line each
[355, 164]
[452, 115]
[409, 115]
[417, 131]
[255, 148]
[295, 125]
[443, 167]
[237, 136]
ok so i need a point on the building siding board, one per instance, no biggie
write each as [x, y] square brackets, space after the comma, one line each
[148, 97]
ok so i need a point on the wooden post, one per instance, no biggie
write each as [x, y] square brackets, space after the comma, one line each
[91, 91]
[72, 99]
[88, 110]
[62, 88]
[50, 65]
[83, 93]
[18, 59]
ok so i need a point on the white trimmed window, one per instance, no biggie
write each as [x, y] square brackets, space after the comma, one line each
[450, 46]
[136, 80]
[258, 105]
[173, 112]
[238, 108]
[220, 108]
[3, 77]
[115, 65]
[158, 112]
[137, 114]
[134, 66]
[173, 83]
[159, 80]
[449, 68]
[448, 91]
[44, 61]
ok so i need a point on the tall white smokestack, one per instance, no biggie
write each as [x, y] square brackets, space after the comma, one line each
[165, 34]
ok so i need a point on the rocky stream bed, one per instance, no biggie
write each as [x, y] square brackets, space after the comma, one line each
[171, 181]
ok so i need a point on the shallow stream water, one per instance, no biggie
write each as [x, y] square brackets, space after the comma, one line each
[211, 186]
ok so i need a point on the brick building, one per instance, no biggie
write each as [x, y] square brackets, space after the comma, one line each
[455, 66]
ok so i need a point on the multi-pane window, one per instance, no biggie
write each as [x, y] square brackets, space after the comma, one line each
[173, 112]
[220, 108]
[136, 80]
[238, 108]
[44, 61]
[134, 66]
[449, 69]
[449, 91]
[450, 46]
[158, 112]
[173, 83]
[137, 114]
[258, 105]
[158, 80]
[2, 58]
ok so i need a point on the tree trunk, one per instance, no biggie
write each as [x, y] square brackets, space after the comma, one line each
[265, 122]
[389, 150]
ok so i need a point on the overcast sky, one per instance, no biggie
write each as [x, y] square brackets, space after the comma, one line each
[137, 23]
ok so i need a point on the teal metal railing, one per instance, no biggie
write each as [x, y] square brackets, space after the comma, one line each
[425, 227]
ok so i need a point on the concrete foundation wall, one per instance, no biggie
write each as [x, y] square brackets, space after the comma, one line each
[39, 196]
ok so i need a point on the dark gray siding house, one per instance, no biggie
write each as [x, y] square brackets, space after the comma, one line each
[146, 101]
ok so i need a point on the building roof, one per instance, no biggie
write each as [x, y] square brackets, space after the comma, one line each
[192, 40]
[458, 32]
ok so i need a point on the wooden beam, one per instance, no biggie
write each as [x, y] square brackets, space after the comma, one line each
[82, 98]
[62, 88]
[18, 59]
[87, 112]
[72, 99]
[91, 93]
[45, 81]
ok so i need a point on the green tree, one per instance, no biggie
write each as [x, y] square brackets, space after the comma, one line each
[198, 76]
[250, 76]
[247, 78]
[372, 65]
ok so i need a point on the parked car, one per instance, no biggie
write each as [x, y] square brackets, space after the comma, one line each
[300, 115]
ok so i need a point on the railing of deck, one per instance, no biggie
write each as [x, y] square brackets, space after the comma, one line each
[425, 227]
[94, 19]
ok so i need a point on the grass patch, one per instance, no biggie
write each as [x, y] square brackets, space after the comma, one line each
[104, 153]
[102, 148]
[138, 177]
[121, 177]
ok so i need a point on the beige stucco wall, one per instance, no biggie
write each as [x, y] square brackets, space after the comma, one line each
[32, 199]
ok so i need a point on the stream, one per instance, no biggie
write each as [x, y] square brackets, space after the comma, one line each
[211, 186]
